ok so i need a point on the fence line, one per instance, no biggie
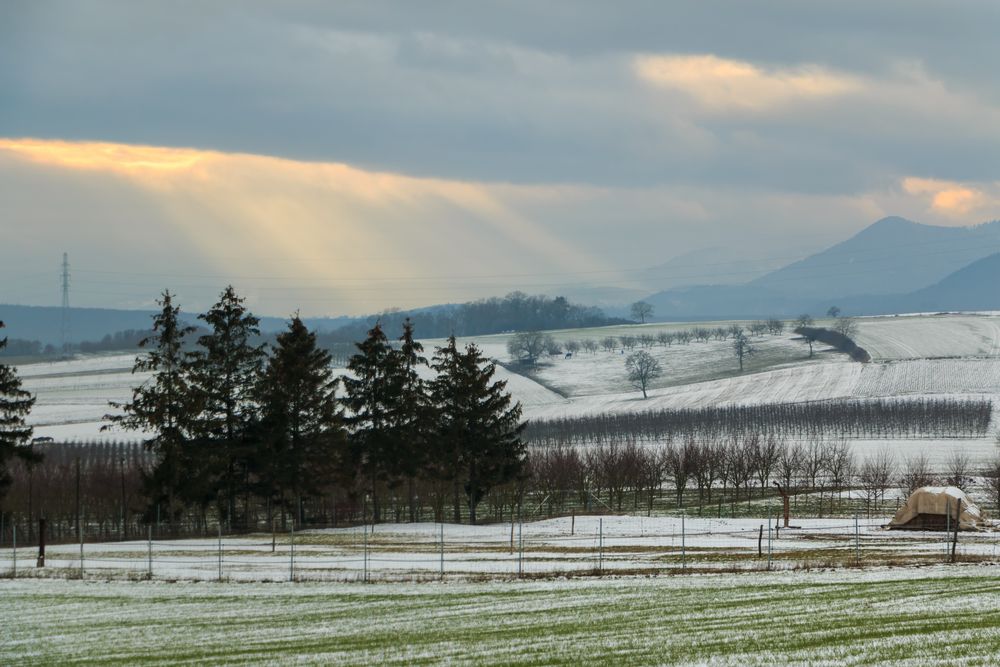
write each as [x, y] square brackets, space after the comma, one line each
[592, 545]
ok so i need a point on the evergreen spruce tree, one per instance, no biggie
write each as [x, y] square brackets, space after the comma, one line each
[15, 404]
[413, 418]
[370, 403]
[162, 406]
[224, 373]
[301, 428]
[478, 425]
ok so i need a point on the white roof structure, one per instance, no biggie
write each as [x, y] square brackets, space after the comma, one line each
[930, 507]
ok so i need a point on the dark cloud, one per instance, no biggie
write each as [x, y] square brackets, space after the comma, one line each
[512, 91]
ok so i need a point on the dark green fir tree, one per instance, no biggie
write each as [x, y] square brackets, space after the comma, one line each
[478, 430]
[15, 434]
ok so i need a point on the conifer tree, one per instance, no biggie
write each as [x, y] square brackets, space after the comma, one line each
[224, 373]
[162, 406]
[369, 401]
[478, 425]
[15, 404]
[413, 416]
[301, 428]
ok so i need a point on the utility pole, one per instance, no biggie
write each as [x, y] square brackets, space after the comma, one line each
[64, 324]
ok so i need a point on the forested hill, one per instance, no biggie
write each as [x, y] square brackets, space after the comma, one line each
[32, 330]
[515, 312]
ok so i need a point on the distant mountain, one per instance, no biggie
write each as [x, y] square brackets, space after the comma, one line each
[874, 268]
[892, 256]
[973, 287]
[709, 266]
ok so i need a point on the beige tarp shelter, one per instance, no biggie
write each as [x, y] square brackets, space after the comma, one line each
[935, 508]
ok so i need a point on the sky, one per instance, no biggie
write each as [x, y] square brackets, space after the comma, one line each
[346, 157]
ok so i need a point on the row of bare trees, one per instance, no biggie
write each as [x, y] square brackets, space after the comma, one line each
[632, 477]
[772, 326]
[874, 419]
[98, 486]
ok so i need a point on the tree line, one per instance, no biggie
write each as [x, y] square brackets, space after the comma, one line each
[240, 429]
[875, 419]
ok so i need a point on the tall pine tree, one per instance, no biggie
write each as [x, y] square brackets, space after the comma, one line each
[301, 430]
[413, 415]
[162, 406]
[370, 402]
[478, 425]
[15, 404]
[225, 368]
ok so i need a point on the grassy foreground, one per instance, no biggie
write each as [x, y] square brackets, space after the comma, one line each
[924, 616]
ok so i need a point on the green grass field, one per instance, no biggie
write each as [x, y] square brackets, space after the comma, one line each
[936, 615]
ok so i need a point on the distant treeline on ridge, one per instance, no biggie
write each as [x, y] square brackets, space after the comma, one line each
[515, 312]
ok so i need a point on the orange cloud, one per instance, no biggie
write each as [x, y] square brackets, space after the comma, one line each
[276, 213]
[948, 197]
[721, 84]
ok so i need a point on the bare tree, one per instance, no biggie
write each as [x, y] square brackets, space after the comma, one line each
[757, 328]
[590, 345]
[742, 347]
[834, 312]
[958, 469]
[875, 475]
[775, 326]
[552, 346]
[917, 473]
[642, 369]
[789, 464]
[641, 310]
[665, 338]
[609, 343]
[528, 346]
[803, 326]
[572, 346]
[840, 463]
[992, 478]
[813, 461]
[846, 326]
[629, 342]
[766, 455]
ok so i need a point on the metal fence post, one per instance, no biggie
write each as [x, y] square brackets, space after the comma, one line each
[291, 551]
[442, 551]
[149, 551]
[79, 531]
[365, 530]
[220, 551]
[14, 548]
[683, 543]
[520, 544]
[857, 540]
[769, 540]
[600, 544]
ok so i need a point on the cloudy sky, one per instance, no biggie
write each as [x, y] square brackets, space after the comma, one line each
[351, 156]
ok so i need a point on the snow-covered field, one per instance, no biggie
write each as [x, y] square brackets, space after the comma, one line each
[939, 615]
[930, 336]
[924, 355]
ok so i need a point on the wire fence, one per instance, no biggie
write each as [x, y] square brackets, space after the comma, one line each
[588, 545]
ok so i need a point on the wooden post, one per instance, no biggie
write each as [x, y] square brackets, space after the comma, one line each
[760, 541]
[784, 501]
[41, 543]
[572, 523]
